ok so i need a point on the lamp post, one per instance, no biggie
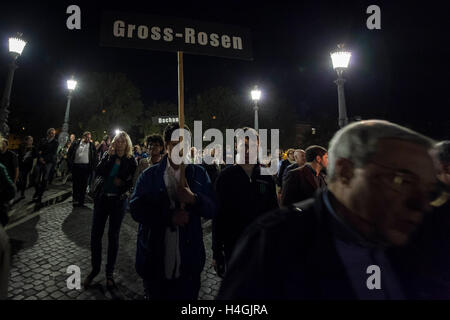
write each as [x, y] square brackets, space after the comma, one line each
[64, 135]
[341, 59]
[256, 95]
[16, 46]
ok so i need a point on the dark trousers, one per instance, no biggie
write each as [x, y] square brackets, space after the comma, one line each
[52, 174]
[42, 177]
[4, 218]
[80, 176]
[183, 288]
[91, 177]
[23, 179]
[105, 207]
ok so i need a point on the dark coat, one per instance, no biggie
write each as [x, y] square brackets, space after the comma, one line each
[150, 206]
[300, 185]
[73, 150]
[26, 163]
[284, 164]
[47, 150]
[213, 171]
[290, 254]
[10, 160]
[426, 258]
[126, 171]
[289, 168]
[7, 192]
[241, 200]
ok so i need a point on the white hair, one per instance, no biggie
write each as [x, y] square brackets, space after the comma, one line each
[358, 142]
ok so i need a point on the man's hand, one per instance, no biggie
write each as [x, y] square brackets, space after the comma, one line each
[180, 218]
[185, 195]
[41, 160]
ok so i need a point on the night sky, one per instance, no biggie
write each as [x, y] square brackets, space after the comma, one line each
[400, 73]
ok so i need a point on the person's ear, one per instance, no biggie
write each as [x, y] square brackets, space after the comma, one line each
[344, 171]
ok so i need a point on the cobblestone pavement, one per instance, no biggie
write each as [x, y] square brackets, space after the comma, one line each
[55, 193]
[44, 246]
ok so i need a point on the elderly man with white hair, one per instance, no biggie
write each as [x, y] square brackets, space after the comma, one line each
[338, 244]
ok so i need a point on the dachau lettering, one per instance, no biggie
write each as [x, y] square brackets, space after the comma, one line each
[173, 34]
[190, 35]
[257, 146]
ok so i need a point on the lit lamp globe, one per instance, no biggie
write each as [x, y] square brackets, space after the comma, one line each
[340, 58]
[256, 94]
[16, 46]
[71, 84]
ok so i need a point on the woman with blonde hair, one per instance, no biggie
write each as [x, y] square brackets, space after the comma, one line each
[112, 185]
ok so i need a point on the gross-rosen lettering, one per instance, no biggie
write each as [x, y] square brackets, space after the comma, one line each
[121, 29]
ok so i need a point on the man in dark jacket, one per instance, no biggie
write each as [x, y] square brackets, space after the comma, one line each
[338, 245]
[27, 154]
[300, 160]
[243, 195]
[284, 164]
[170, 251]
[46, 161]
[7, 193]
[301, 183]
[82, 159]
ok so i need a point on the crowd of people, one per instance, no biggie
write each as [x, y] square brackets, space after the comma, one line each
[377, 196]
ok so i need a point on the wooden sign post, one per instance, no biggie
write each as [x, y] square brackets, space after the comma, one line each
[143, 31]
[181, 110]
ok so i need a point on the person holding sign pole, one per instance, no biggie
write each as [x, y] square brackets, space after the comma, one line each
[170, 251]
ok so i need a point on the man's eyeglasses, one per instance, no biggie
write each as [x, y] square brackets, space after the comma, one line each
[408, 183]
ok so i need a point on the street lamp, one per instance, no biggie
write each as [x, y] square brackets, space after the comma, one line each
[256, 95]
[341, 59]
[16, 46]
[64, 135]
[117, 131]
